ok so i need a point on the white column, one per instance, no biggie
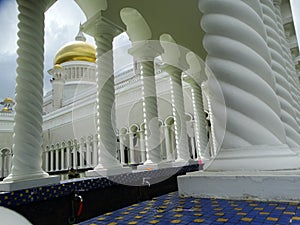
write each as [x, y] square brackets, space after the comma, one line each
[81, 153]
[283, 89]
[168, 143]
[68, 155]
[144, 54]
[27, 138]
[75, 147]
[95, 150]
[57, 150]
[104, 32]
[62, 156]
[181, 140]
[238, 57]
[88, 151]
[52, 158]
[47, 158]
[122, 148]
[142, 145]
[131, 146]
[200, 120]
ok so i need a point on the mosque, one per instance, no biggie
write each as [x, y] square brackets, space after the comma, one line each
[215, 83]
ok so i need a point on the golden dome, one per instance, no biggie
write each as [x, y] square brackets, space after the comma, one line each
[8, 100]
[75, 51]
[5, 109]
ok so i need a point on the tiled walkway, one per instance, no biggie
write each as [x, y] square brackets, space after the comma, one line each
[172, 209]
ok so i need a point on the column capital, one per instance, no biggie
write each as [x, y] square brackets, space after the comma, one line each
[98, 25]
[145, 50]
[172, 70]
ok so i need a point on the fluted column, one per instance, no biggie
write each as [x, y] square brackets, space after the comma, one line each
[104, 32]
[239, 58]
[178, 112]
[282, 88]
[27, 139]
[144, 54]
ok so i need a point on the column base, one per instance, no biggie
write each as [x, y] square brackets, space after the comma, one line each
[24, 184]
[255, 158]
[154, 166]
[181, 163]
[264, 185]
[106, 172]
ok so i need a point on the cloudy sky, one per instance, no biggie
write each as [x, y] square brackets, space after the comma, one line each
[61, 26]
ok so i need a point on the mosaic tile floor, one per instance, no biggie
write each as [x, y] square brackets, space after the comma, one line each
[172, 209]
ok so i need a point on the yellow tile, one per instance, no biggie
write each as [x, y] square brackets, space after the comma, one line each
[138, 217]
[293, 203]
[289, 213]
[219, 214]
[90, 224]
[198, 214]
[108, 214]
[135, 205]
[119, 218]
[154, 221]
[272, 219]
[101, 218]
[175, 221]
[257, 208]
[264, 213]
[163, 206]
[158, 216]
[160, 210]
[245, 219]
[130, 209]
[252, 204]
[143, 212]
[112, 223]
[234, 204]
[133, 222]
[280, 208]
[222, 220]
[125, 213]
[218, 209]
[177, 210]
[199, 220]
[295, 218]
[238, 209]
[241, 213]
[178, 215]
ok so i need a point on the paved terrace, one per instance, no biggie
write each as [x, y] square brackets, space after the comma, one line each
[173, 209]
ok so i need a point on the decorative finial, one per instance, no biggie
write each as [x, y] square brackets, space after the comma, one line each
[80, 36]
